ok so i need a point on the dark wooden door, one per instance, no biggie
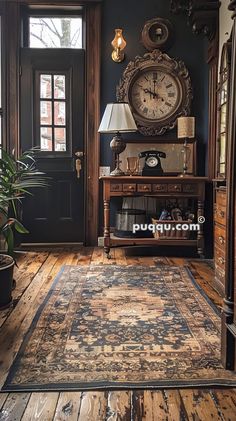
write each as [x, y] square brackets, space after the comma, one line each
[52, 105]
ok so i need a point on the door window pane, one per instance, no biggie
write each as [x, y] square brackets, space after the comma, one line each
[59, 87]
[59, 32]
[59, 113]
[46, 112]
[46, 138]
[45, 86]
[60, 139]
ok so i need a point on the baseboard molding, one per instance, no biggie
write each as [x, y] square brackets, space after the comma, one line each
[49, 245]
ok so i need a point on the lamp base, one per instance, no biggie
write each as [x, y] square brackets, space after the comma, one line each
[117, 146]
[117, 172]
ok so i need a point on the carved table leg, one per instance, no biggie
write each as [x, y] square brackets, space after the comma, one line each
[107, 228]
[200, 234]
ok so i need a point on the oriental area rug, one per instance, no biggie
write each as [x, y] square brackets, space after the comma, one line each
[112, 326]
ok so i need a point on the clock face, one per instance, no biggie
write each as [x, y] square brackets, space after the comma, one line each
[155, 95]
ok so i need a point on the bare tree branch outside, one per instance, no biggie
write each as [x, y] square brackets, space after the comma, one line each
[49, 32]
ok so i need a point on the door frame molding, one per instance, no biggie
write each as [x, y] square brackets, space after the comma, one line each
[11, 95]
[92, 120]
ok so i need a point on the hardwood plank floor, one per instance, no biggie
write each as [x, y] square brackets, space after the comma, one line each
[34, 276]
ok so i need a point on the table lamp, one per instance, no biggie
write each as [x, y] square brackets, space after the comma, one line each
[117, 118]
[186, 130]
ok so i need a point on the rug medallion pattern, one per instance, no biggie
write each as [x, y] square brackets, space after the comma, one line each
[112, 326]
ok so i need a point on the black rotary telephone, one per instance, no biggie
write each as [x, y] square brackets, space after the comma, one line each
[152, 166]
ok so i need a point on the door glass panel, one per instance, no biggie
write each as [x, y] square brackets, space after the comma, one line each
[45, 86]
[223, 119]
[53, 107]
[46, 138]
[224, 93]
[46, 112]
[59, 87]
[55, 32]
[60, 139]
[222, 148]
[59, 113]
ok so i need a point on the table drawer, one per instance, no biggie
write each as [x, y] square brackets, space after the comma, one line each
[190, 188]
[220, 215]
[129, 187]
[219, 260]
[144, 188]
[116, 187]
[174, 188]
[159, 187]
[220, 236]
[221, 198]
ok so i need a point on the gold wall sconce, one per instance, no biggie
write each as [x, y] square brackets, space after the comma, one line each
[118, 44]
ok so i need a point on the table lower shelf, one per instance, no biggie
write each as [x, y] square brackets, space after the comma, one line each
[116, 241]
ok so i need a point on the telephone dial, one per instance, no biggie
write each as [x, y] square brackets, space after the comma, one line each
[152, 166]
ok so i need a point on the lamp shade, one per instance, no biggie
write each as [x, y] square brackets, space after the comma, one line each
[186, 127]
[117, 117]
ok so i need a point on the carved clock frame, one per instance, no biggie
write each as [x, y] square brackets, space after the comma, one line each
[177, 69]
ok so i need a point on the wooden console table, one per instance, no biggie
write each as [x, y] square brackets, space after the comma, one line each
[163, 187]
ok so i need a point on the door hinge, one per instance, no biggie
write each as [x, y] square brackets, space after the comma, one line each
[20, 71]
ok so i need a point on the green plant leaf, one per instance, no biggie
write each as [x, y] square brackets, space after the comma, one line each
[20, 228]
[9, 237]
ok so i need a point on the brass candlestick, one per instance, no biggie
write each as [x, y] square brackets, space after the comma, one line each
[186, 130]
[186, 155]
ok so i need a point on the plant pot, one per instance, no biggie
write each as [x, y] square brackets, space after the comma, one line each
[6, 280]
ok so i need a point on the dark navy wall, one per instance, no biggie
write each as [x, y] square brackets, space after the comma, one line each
[130, 15]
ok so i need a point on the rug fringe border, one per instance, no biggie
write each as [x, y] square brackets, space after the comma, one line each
[122, 386]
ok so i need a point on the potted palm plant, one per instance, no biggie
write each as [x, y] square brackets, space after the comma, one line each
[17, 178]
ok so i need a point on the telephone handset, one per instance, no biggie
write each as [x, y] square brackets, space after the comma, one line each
[152, 153]
[152, 166]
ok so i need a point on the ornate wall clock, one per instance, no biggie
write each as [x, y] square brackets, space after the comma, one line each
[157, 33]
[158, 89]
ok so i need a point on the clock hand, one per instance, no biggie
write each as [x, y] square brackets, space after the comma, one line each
[148, 91]
[155, 94]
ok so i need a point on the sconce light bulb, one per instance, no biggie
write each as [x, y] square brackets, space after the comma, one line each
[118, 44]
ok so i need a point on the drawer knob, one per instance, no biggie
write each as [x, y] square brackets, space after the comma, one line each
[176, 187]
[221, 260]
[221, 239]
[130, 187]
[145, 187]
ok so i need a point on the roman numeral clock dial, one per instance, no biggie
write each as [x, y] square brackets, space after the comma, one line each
[155, 95]
[158, 89]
